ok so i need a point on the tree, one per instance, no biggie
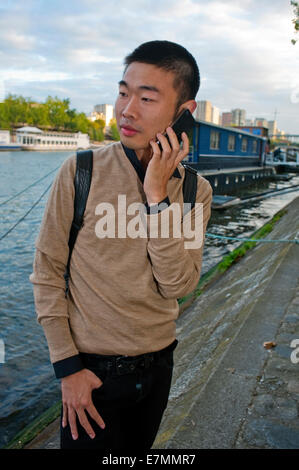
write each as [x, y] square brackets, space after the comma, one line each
[15, 109]
[114, 130]
[54, 113]
[38, 115]
[57, 110]
[296, 19]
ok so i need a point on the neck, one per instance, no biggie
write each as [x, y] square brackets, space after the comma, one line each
[144, 155]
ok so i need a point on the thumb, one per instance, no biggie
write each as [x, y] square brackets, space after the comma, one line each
[97, 382]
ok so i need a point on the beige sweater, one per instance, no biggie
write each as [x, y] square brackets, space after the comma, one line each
[123, 291]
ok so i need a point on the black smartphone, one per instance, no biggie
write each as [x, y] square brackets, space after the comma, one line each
[184, 123]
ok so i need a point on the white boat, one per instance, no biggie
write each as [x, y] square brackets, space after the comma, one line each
[33, 138]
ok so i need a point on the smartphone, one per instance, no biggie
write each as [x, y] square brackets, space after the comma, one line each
[184, 123]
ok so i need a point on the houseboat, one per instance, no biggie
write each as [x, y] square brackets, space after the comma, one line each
[228, 157]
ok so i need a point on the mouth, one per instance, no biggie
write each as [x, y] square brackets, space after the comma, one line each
[128, 131]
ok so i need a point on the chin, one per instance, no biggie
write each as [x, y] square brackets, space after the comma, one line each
[131, 143]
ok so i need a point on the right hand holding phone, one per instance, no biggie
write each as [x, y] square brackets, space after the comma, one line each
[163, 164]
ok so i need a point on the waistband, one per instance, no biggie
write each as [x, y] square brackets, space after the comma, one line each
[125, 364]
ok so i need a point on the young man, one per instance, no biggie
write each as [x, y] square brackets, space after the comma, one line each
[111, 340]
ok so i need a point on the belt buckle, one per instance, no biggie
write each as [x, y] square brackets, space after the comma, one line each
[124, 366]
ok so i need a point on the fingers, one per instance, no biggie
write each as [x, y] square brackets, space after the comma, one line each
[72, 422]
[185, 149]
[171, 146]
[92, 411]
[173, 139]
[64, 415]
[85, 423]
[166, 148]
[69, 415]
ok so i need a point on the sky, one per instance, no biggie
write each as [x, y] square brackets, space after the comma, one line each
[75, 49]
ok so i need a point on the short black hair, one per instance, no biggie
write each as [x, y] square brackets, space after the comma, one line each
[171, 57]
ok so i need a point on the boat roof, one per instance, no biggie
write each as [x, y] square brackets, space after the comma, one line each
[30, 129]
[232, 129]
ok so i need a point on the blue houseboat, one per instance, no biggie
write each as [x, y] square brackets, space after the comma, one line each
[229, 158]
[216, 147]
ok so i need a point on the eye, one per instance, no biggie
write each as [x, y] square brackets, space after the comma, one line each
[122, 94]
[147, 100]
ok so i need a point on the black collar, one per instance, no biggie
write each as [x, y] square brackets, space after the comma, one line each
[138, 167]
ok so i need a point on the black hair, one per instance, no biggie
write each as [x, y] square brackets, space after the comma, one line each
[171, 57]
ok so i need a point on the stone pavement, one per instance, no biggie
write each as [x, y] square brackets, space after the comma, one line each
[228, 391]
[272, 417]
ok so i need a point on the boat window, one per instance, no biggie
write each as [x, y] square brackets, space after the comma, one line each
[214, 140]
[231, 142]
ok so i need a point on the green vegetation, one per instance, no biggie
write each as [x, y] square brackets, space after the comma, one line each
[52, 115]
[36, 427]
[113, 130]
[295, 20]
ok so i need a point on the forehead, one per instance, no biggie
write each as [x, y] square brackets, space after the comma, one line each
[141, 75]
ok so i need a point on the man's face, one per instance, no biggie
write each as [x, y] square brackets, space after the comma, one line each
[145, 105]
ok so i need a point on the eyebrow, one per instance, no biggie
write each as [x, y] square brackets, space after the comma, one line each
[142, 87]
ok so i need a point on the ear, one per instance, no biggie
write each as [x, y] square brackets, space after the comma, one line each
[191, 105]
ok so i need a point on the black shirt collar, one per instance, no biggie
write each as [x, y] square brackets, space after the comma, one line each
[137, 165]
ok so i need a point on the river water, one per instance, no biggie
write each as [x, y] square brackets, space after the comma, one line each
[27, 383]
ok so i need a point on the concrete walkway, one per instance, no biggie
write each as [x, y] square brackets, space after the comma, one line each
[228, 391]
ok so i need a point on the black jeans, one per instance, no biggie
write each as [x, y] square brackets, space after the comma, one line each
[131, 403]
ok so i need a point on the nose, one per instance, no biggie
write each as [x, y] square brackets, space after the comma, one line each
[130, 110]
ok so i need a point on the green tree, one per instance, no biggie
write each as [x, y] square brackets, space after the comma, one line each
[98, 127]
[114, 130]
[296, 18]
[16, 109]
[38, 115]
[54, 113]
[4, 120]
[57, 110]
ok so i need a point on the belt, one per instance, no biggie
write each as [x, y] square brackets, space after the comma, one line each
[125, 364]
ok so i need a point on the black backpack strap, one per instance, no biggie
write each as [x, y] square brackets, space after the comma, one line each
[82, 183]
[189, 186]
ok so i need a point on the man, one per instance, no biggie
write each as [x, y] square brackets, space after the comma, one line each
[111, 340]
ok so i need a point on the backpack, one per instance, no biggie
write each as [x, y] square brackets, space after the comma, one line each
[82, 183]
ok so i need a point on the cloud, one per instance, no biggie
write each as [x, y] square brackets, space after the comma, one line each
[243, 49]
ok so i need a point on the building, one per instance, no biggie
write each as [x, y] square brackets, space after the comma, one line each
[261, 122]
[215, 115]
[226, 119]
[203, 111]
[32, 138]
[272, 127]
[238, 117]
[104, 111]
